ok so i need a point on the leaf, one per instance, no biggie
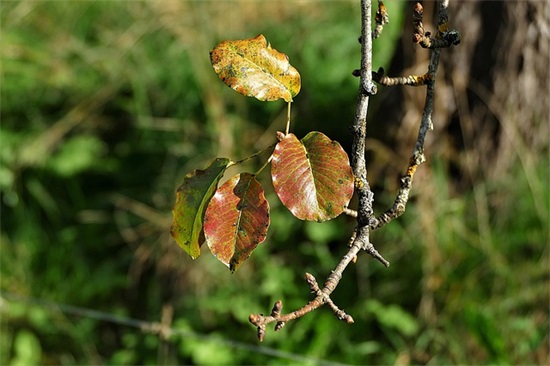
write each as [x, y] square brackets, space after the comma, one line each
[312, 177]
[253, 68]
[192, 197]
[236, 220]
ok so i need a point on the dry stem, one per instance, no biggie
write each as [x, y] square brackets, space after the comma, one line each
[426, 124]
[365, 213]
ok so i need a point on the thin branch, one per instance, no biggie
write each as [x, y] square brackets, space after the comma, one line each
[410, 80]
[402, 197]
[322, 297]
[381, 19]
[366, 88]
[325, 295]
[253, 155]
[426, 123]
[381, 78]
[444, 38]
[264, 165]
[365, 212]
[366, 220]
[348, 211]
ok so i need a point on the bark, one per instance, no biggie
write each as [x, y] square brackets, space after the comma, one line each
[492, 103]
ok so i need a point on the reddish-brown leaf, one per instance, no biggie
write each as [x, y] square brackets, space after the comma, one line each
[312, 177]
[253, 68]
[236, 220]
[191, 200]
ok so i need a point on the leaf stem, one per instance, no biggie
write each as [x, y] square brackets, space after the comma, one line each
[287, 129]
[253, 155]
[263, 166]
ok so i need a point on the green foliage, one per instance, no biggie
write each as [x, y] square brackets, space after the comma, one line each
[393, 318]
[27, 350]
[105, 105]
[78, 154]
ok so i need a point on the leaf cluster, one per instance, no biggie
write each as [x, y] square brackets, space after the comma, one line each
[312, 177]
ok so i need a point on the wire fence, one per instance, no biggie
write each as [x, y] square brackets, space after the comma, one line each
[155, 328]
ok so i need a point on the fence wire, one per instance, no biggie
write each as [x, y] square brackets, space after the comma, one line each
[155, 327]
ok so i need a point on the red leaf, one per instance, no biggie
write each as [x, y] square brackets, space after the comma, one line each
[236, 220]
[312, 177]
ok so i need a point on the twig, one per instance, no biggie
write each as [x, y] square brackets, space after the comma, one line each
[381, 19]
[365, 212]
[253, 155]
[348, 211]
[444, 38]
[426, 123]
[381, 78]
[410, 80]
[322, 297]
[402, 197]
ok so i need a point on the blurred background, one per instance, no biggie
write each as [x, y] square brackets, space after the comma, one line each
[106, 105]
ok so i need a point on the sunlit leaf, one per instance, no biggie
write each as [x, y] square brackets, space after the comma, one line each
[312, 177]
[236, 220]
[192, 198]
[253, 68]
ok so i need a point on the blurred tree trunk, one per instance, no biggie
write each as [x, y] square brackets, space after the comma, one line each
[492, 102]
[500, 80]
[490, 119]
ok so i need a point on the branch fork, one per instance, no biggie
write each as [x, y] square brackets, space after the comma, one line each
[322, 297]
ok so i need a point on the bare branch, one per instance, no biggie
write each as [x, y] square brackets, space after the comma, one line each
[350, 212]
[426, 123]
[322, 297]
[366, 221]
[402, 198]
[444, 38]
[366, 88]
[410, 80]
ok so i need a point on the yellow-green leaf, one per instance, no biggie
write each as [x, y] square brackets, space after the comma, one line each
[253, 68]
[192, 198]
